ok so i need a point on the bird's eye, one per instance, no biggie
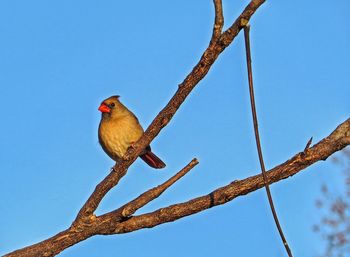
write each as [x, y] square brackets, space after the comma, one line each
[112, 104]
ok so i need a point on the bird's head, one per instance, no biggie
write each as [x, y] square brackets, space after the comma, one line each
[112, 107]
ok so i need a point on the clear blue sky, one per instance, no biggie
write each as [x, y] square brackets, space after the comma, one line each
[59, 59]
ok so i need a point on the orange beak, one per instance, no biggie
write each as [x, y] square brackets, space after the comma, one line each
[104, 108]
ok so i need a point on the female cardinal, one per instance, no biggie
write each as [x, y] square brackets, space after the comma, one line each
[119, 128]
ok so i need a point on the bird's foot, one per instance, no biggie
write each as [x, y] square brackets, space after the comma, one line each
[129, 152]
[131, 147]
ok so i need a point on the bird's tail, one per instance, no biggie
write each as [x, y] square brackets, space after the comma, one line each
[152, 160]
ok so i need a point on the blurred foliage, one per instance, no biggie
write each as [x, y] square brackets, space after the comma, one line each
[334, 225]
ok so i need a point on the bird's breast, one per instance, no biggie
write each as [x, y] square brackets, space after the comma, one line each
[116, 136]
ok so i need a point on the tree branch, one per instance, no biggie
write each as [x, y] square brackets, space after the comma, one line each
[336, 141]
[219, 20]
[132, 206]
[257, 139]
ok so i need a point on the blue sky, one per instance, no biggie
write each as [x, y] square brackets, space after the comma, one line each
[60, 59]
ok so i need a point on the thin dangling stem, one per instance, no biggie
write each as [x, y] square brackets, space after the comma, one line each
[257, 138]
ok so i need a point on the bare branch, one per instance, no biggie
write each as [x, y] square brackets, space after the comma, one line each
[336, 141]
[132, 206]
[117, 172]
[257, 139]
[219, 20]
[228, 36]
[308, 144]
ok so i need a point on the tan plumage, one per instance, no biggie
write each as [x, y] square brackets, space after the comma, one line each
[119, 128]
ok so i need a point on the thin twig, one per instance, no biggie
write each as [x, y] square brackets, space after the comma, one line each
[219, 20]
[257, 138]
[148, 196]
[308, 144]
[228, 35]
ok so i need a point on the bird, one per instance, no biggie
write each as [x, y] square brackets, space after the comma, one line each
[119, 129]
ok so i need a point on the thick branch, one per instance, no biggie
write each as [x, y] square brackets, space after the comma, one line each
[336, 141]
